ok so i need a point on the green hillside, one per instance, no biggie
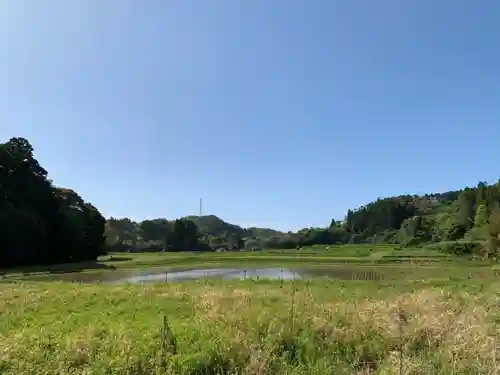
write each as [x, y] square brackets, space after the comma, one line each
[214, 226]
[48, 224]
[212, 230]
[461, 221]
[465, 219]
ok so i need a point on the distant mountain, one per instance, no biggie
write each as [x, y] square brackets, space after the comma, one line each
[469, 215]
[262, 232]
[214, 226]
[215, 232]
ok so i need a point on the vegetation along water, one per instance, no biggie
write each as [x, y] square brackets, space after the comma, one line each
[402, 285]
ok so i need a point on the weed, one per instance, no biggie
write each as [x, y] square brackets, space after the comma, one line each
[251, 327]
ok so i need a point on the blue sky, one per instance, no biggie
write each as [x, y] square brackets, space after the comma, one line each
[278, 113]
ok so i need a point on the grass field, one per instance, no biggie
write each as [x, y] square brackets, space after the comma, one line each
[321, 255]
[441, 318]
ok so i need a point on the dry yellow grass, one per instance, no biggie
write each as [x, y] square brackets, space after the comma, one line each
[246, 327]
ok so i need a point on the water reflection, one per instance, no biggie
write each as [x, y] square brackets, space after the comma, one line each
[221, 273]
[166, 275]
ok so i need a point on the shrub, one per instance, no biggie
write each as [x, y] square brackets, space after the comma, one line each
[458, 247]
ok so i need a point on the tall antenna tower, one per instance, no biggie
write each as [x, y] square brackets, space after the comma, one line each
[201, 206]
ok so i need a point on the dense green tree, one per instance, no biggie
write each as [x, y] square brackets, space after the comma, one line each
[40, 223]
[155, 230]
[184, 235]
[449, 228]
[407, 219]
[379, 216]
[481, 218]
[415, 230]
[122, 234]
[481, 194]
[466, 209]
[334, 224]
[494, 233]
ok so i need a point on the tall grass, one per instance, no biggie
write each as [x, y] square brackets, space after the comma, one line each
[250, 327]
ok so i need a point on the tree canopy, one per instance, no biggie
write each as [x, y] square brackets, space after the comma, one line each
[407, 220]
[44, 224]
[41, 223]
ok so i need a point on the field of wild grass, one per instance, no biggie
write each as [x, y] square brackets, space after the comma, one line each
[316, 255]
[251, 327]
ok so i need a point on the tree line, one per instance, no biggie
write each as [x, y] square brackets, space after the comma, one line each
[45, 224]
[184, 234]
[463, 221]
[466, 220]
[41, 223]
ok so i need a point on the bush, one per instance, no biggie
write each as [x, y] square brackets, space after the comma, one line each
[458, 247]
[387, 236]
[414, 231]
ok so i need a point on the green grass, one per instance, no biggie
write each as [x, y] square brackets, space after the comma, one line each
[250, 327]
[322, 255]
[436, 318]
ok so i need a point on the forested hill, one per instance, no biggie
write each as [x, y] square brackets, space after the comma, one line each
[215, 226]
[43, 224]
[463, 220]
[211, 231]
[467, 214]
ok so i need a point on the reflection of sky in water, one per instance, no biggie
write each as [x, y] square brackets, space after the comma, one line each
[224, 273]
[162, 275]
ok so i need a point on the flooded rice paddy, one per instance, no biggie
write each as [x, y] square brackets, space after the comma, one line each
[166, 275]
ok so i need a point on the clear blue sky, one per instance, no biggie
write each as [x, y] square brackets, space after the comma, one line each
[278, 113]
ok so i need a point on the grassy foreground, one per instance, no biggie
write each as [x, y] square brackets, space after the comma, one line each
[251, 327]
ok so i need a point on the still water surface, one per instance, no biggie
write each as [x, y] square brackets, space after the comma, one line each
[165, 275]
